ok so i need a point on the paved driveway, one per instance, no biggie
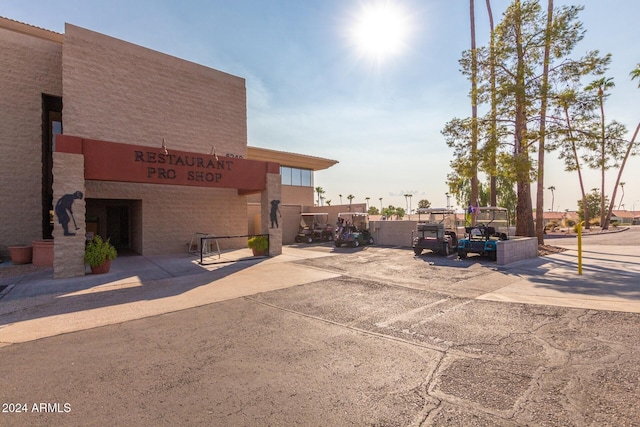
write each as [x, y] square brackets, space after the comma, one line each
[379, 337]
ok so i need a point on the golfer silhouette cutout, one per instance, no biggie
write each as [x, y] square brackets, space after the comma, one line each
[275, 212]
[64, 211]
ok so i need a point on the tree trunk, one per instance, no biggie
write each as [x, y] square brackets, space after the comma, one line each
[624, 161]
[603, 214]
[543, 127]
[493, 137]
[474, 107]
[524, 213]
[577, 159]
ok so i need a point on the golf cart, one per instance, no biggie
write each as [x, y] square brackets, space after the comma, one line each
[437, 230]
[314, 227]
[353, 230]
[491, 224]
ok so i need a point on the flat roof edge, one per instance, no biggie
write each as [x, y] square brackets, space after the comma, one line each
[30, 30]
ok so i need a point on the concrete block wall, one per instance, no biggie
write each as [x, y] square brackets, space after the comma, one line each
[120, 92]
[68, 251]
[392, 233]
[517, 249]
[30, 67]
[117, 91]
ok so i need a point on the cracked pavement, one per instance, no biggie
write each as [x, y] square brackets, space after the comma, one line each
[391, 340]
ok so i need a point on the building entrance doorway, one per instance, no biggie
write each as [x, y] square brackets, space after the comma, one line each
[118, 220]
[118, 226]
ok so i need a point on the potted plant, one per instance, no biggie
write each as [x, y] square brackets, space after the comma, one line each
[99, 254]
[259, 245]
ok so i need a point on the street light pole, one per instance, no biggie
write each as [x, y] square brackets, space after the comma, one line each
[448, 195]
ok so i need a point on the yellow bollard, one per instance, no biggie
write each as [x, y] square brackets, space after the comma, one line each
[579, 227]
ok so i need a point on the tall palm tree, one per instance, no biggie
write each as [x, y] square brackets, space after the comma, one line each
[622, 187]
[565, 100]
[552, 188]
[635, 74]
[350, 197]
[601, 85]
[320, 192]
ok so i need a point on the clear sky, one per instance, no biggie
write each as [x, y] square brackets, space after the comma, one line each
[316, 86]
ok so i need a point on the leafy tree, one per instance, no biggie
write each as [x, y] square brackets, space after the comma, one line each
[517, 62]
[424, 204]
[572, 118]
[390, 211]
[400, 213]
[593, 205]
[373, 211]
[328, 202]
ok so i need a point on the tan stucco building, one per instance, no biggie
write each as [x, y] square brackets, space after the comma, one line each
[143, 147]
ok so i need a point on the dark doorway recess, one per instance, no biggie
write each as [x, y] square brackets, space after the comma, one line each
[118, 226]
[51, 126]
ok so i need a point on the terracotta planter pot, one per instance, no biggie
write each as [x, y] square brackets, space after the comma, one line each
[102, 269]
[43, 253]
[21, 254]
[259, 253]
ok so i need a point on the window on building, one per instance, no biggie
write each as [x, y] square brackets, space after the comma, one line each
[51, 126]
[297, 177]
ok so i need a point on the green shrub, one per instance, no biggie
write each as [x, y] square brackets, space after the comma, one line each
[98, 251]
[259, 243]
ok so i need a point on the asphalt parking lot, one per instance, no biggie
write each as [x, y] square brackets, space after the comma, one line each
[383, 338]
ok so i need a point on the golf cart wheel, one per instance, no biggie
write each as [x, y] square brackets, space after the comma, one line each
[462, 254]
[298, 239]
[309, 239]
[329, 237]
[371, 240]
[445, 249]
[356, 243]
[417, 251]
[338, 243]
[493, 256]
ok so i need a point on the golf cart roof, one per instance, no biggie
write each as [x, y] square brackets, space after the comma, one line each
[314, 214]
[491, 208]
[353, 214]
[435, 210]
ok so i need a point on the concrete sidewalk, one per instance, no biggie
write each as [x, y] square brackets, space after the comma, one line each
[139, 287]
[39, 306]
[610, 279]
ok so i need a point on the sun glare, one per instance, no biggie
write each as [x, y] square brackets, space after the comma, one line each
[380, 30]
